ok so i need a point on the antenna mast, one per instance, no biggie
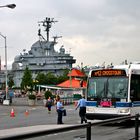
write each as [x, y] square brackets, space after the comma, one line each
[47, 23]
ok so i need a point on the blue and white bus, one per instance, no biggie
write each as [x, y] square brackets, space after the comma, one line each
[113, 92]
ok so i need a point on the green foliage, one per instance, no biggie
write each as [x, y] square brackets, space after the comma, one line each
[63, 77]
[53, 96]
[11, 82]
[27, 81]
[48, 94]
[77, 96]
[31, 96]
[41, 78]
[51, 79]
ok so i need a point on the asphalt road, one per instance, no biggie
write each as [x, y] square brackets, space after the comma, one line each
[38, 116]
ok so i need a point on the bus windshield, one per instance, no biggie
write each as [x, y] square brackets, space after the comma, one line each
[107, 87]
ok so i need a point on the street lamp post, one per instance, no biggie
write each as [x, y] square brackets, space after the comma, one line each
[6, 85]
[12, 6]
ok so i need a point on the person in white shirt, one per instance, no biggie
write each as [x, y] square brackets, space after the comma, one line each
[82, 109]
[60, 109]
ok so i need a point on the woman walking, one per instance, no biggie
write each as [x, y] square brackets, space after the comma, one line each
[49, 104]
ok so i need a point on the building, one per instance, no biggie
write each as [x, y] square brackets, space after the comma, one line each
[42, 57]
[75, 80]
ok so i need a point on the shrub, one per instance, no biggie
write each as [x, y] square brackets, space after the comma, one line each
[31, 96]
[48, 94]
[77, 96]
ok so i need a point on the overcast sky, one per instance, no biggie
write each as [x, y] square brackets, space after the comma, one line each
[94, 31]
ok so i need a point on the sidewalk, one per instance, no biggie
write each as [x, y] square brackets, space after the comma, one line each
[29, 129]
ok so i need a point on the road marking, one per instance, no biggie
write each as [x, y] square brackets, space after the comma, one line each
[32, 108]
[70, 109]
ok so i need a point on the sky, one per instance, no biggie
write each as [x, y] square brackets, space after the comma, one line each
[93, 31]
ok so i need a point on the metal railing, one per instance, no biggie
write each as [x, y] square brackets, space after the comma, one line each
[87, 126]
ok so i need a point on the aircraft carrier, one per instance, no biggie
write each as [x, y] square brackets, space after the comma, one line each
[42, 57]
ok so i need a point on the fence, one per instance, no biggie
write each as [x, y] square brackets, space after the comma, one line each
[75, 127]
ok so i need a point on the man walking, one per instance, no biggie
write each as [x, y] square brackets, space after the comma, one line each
[82, 109]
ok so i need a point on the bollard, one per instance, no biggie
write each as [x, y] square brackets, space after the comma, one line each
[89, 131]
[137, 127]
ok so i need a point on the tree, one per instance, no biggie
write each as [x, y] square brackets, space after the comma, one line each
[48, 94]
[51, 79]
[11, 82]
[41, 78]
[27, 81]
[63, 77]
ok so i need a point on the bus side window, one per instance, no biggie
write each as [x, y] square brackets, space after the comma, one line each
[132, 94]
[135, 88]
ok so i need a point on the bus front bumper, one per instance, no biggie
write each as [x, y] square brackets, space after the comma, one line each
[98, 116]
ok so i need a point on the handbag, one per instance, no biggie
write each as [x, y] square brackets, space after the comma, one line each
[64, 113]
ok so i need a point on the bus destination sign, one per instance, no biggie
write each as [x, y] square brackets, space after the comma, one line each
[108, 72]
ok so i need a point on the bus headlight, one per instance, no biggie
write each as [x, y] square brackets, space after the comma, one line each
[89, 109]
[126, 110]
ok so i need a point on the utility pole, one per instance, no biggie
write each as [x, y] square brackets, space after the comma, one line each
[6, 85]
[11, 6]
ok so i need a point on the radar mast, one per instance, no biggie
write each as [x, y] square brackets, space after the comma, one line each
[47, 23]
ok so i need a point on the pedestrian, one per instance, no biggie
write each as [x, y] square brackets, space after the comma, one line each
[60, 109]
[49, 103]
[82, 109]
[56, 99]
[11, 95]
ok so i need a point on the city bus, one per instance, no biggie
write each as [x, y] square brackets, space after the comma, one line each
[113, 92]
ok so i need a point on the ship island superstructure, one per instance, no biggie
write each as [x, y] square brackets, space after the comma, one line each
[42, 57]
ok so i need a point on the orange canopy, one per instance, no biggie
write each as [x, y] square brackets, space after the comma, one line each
[73, 83]
[76, 73]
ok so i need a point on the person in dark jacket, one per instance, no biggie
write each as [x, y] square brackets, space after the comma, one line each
[49, 104]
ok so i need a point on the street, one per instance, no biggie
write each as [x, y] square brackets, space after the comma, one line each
[37, 115]
[38, 118]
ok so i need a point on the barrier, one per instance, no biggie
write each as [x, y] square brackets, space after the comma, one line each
[68, 101]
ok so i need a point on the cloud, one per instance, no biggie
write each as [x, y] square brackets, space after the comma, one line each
[95, 31]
